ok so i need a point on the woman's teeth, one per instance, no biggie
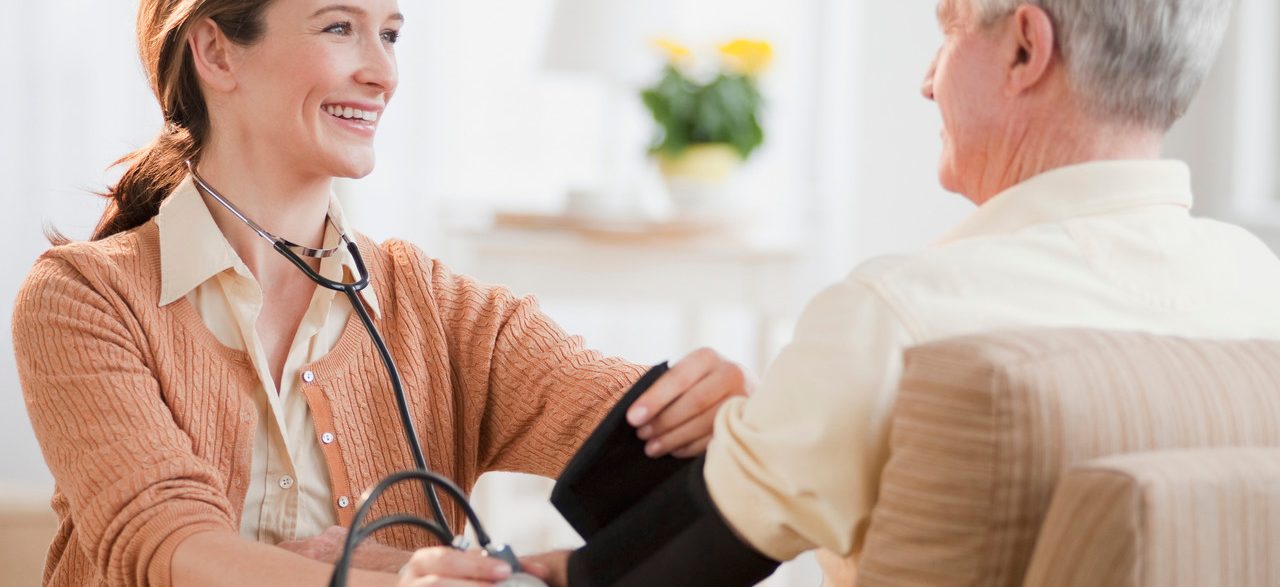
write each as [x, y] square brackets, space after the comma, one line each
[350, 113]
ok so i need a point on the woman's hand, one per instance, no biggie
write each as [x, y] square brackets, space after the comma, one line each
[676, 415]
[327, 547]
[441, 566]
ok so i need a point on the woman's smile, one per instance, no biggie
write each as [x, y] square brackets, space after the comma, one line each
[361, 119]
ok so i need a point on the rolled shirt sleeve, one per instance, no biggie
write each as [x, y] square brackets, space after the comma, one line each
[797, 465]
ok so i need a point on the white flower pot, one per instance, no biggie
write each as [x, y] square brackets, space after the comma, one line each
[699, 181]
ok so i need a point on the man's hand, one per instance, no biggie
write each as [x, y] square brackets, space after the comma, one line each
[327, 547]
[441, 566]
[676, 415]
[552, 567]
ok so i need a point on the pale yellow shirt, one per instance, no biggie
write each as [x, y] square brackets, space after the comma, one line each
[288, 496]
[1108, 245]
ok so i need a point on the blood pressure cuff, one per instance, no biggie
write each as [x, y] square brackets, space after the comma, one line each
[673, 537]
[611, 473]
[647, 521]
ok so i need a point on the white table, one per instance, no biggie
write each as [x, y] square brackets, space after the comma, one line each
[692, 272]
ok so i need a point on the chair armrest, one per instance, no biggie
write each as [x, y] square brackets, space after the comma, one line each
[1165, 518]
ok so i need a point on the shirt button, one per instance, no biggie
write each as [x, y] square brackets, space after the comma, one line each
[344, 501]
[286, 482]
[327, 438]
[308, 376]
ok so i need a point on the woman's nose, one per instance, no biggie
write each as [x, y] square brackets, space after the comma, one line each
[379, 68]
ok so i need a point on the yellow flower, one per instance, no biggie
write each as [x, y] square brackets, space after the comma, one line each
[747, 56]
[676, 53]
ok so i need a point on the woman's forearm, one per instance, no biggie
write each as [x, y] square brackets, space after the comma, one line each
[217, 559]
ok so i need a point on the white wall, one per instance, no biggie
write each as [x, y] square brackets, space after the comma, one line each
[76, 100]
[899, 204]
[1231, 134]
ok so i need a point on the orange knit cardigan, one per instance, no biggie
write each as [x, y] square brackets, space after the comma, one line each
[147, 421]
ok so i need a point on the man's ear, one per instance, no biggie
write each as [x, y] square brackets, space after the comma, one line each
[1032, 43]
[212, 54]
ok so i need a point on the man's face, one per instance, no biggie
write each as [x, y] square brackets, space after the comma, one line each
[966, 81]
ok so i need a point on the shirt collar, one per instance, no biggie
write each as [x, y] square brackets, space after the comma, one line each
[194, 250]
[1079, 190]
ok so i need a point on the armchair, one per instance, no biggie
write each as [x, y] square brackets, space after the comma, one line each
[1081, 457]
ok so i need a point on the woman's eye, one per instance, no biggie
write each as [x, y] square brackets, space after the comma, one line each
[391, 36]
[339, 28]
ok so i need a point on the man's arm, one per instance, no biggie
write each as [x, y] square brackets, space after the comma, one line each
[797, 466]
[793, 468]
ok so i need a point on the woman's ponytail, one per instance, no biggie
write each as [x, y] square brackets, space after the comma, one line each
[156, 170]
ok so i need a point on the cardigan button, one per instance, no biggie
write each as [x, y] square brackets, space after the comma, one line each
[344, 501]
[327, 438]
[308, 376]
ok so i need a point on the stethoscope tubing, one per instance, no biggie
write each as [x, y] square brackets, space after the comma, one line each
[430, 480]
[402, 401]
[351, 289]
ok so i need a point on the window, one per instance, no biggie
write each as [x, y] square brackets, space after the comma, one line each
[1257, 122]
[1231, 135]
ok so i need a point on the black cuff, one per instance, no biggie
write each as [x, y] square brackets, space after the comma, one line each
[610, 472]
[674, 537]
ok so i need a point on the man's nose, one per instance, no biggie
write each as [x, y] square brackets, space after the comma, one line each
[926, 89]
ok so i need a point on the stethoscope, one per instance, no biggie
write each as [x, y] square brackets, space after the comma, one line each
[430, 480]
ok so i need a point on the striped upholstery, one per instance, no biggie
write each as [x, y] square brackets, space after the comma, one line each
[1165, 519]
[985, 426]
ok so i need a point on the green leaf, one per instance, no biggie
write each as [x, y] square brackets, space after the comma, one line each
[723, 110]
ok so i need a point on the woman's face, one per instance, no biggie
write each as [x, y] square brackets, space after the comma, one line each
[314, 87]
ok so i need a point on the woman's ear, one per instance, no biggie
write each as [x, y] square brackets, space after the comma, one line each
[212, 54]
[1033, 42]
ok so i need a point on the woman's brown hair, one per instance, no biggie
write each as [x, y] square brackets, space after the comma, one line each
[156, 169]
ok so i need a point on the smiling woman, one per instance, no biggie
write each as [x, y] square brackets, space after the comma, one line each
[208, 412]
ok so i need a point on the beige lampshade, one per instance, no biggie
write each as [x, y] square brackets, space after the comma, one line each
[608, 39]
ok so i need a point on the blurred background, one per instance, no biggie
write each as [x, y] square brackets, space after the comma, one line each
[517, 150]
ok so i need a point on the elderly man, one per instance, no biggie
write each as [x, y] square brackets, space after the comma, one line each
[1054, 114]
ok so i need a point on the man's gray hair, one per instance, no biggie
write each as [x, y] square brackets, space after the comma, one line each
[1138, 61]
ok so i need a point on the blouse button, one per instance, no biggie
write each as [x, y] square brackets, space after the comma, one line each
[344, 501]
[286, 482]
[308, 376]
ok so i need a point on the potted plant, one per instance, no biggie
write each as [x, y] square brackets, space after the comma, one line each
[707, 125]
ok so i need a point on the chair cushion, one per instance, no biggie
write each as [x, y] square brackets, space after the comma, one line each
[1164, 519]
[985, 425]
